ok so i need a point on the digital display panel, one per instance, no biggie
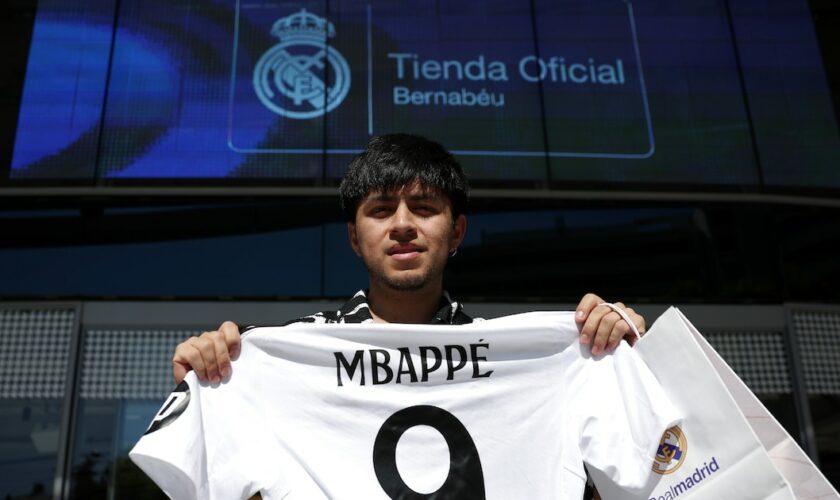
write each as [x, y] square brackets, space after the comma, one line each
[544, 92]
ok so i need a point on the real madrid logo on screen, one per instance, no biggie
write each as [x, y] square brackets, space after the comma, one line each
[671, 452]
[302, 77]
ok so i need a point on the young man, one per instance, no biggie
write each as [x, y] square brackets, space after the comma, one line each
[405, 199]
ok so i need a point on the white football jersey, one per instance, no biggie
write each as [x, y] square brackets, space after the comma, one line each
[501, 409]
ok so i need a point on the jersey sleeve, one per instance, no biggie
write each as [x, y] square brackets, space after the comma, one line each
[172, 451]
[211, 442]
[620, 413]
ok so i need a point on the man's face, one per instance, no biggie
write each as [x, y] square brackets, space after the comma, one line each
[404, 236]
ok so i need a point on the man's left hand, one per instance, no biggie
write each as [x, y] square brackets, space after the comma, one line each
[603, 328]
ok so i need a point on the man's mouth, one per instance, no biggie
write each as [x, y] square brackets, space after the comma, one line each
[404, 252]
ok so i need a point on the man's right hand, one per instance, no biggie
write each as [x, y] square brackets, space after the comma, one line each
[208, 355]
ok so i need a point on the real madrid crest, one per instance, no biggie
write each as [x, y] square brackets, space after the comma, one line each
[671, 452]
[302, 77]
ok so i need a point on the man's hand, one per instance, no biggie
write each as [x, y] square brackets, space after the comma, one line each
[603, 328]
[209, 355]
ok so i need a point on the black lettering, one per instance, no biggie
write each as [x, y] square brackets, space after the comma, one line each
[431, 359]
[174, 407]
[476, 358]
[375, 365]
[349, 368]
[451, 368]
[425, 370]
[405, 359]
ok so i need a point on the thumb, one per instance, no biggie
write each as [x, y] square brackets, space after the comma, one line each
[179, 371]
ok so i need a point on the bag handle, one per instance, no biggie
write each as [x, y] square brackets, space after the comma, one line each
[624, 316]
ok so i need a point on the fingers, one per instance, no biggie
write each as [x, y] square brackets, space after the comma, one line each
[179, 371]
[209, 355]
[601, 322]
[221, 369]
[604, 328]
[639, 321]
[232, 338]
[187, 357]
[589, 302]
[620, 329]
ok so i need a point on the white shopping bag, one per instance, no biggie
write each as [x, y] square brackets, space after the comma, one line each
[713, 453]
[800, 472]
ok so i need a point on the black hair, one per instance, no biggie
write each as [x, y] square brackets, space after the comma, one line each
[393, 161]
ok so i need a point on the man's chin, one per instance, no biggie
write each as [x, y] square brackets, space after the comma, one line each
[407, 283]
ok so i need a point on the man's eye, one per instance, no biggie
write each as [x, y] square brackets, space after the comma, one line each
[426, 209]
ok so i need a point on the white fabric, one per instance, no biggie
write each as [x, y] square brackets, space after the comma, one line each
[283, 426]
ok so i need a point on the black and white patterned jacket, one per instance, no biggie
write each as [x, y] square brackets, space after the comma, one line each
[356, 310]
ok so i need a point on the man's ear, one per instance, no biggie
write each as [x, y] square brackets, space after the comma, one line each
[460, 229]
[354, 239]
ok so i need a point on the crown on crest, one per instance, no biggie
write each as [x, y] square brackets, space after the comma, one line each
[303, 24]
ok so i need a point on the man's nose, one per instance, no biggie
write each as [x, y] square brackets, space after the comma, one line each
[403, 224]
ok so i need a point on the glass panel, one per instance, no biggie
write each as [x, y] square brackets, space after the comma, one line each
[125, 376]
[29, 431]
[808, 242]
[651, 254]
[93, 436]
[817, 332]
[107, 430]
[279, 263]
[33, 363]
[825, 412]
[344, 272]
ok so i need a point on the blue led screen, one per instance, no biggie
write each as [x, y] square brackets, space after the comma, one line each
[544, 92]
